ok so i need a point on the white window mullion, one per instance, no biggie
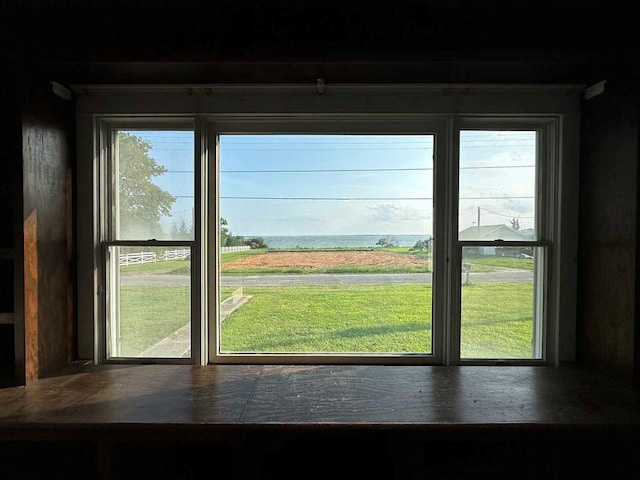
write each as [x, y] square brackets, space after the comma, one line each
[199, 326]
[453, 254]
[211, 245]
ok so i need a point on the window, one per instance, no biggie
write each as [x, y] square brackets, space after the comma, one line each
[342, 230]
[502, 257]
[396, 226]
[149, 243]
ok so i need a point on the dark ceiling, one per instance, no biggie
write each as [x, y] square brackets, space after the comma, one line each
[276, 41]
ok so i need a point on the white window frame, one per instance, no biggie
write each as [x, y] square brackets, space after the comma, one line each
[547, 162]
[401, 124]
[107, 128]
[213, 108]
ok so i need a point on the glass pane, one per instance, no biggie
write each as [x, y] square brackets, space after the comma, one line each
[154, 185]
[497, 185]
[326, 243]
[149, 302]
[501, 303]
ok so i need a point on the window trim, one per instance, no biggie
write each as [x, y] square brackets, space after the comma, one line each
[454, 104]
[108, 126]
[435, 125]
[547, 219]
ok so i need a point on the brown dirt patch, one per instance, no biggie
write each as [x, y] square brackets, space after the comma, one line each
[324, 259]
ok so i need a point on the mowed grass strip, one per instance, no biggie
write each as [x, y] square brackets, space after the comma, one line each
[488, 264]
[331, 319]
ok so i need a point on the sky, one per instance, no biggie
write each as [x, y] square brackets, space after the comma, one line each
[350, 184]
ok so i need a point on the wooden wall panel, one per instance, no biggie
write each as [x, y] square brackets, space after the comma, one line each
[608, 222]
[31, 303]
[47, 124]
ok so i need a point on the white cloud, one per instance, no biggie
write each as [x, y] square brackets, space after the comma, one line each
[393, 214]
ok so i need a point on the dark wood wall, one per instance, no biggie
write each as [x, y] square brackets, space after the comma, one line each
[44, 263]
[608, 219]
[10, 138]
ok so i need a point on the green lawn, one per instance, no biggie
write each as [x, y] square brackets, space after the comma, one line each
[487, 264]
[496, 317]
[150, 313]
[496, 320]
[333, 318]
[157, 268]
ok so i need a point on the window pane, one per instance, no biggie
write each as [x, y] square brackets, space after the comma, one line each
[154, 185]
[336, 232]
[501, 303]
[497, 185]
[149, 302]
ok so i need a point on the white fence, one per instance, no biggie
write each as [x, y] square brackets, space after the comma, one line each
[152, 257]
[178, 254]
[240, 248]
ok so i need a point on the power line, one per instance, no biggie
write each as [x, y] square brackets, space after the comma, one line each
[497, 166]
[327, 198]
[409, 169]
[318, 149]
[502, 214]
[331, 170]
[496, 198]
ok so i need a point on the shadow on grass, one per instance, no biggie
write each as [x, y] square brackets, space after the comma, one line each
[335, 337]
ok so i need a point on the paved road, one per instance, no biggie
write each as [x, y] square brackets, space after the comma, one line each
[326, 279]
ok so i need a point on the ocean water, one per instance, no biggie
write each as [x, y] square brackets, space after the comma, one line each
[330, 241]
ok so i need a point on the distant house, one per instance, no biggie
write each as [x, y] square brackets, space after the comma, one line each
[492, 233]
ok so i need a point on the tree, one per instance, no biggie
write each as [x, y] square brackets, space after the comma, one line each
[515, 223]
[422, 246]
[227, 239]
[142, 202]
[255, 242]
[224, 231]
[386, 242]
[181, 232]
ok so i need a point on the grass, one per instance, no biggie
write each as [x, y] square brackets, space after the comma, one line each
[487, 264]
[150, 313]
[496, 317]
[333, 318]
[497, 320]
[231, 256]
[157, 268]
[378, 319]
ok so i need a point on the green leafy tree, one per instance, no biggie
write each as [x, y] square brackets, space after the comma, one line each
[142, 202]
[227, 239]
[224, 231]
[422, 246]
[255, 242]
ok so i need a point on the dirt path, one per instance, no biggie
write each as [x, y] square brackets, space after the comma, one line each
[324, 259]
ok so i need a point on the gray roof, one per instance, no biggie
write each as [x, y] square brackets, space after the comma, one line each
[492, 232]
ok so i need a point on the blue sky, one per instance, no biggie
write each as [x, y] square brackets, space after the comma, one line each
[497, 176]
[331, 185]
[350, 184]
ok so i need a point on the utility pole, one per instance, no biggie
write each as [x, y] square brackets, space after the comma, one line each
[478, 224]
